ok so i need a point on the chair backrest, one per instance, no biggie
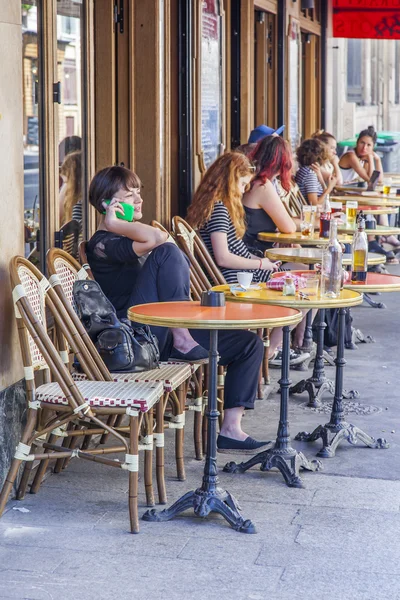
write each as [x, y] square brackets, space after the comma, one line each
[70, 237]
[62, 265]
[296, 200]
[196, 287]
[82, 250]
[64, 271]
[201, 261]
[32, 294]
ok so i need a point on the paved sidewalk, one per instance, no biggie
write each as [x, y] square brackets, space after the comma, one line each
[338, 538]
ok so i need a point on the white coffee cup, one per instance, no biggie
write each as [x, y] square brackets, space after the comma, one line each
[244, 279]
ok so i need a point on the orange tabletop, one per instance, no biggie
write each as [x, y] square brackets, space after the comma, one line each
[375, 282]
[232, 316]
[265, 295]
[297, 238]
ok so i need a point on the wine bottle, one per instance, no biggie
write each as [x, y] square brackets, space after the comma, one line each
[359, 262]
[325, 218]
[331, 268]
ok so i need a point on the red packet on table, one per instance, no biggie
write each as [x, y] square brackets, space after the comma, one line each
[277, 283]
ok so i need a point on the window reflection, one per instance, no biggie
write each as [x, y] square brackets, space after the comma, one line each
[30, 78]
[70, 115]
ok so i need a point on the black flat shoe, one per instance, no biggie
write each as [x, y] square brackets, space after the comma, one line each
[227, 445]
[198, 355]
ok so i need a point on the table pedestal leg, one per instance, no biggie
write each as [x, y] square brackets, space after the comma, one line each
[318, 384]
[282, 455]
[338, 429]
[308, 338]
[209, 497]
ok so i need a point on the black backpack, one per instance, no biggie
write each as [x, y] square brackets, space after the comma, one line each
[121, 346]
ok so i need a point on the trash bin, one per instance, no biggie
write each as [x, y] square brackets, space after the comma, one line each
[389, 152]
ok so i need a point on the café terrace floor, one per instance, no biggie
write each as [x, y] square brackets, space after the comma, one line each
[339, 537]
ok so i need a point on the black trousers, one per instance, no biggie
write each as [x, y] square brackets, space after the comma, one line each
[165, 277]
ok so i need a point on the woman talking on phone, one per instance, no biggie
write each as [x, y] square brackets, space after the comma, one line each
[135, 263]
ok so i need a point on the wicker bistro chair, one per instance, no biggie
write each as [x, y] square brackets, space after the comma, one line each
[67, 401]
[174, 376]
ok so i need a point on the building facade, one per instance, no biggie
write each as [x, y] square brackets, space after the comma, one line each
[161, 86]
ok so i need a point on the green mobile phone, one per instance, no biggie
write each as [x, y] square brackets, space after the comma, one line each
[129, 211]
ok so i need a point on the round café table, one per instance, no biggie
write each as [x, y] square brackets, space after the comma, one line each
[379, 230]
[381, 201]
[338, 429]
[380, 211]
[376, 282]
[209, 497]
[298, 238]
[311, 256]
[318, 381]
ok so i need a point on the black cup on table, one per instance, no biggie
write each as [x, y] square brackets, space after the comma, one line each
[212, 298]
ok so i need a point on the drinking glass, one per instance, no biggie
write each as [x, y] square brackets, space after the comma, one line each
[336, 207]
[351, 214]
[312, 285]
[387, 185]
[307, 220]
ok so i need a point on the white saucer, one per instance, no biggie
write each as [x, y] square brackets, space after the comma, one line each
[235, 288]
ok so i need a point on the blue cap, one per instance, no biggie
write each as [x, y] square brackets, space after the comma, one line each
[262, 131]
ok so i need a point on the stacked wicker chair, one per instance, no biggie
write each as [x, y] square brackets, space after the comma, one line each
[64, 271]
[61, 406]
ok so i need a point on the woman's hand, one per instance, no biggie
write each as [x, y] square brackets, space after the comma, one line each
[267, 265]
[316, 167]
[331, 183]
[111, 212]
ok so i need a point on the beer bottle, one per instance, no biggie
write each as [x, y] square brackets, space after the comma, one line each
[359, 262]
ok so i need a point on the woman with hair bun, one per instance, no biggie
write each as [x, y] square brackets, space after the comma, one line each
[359, 164]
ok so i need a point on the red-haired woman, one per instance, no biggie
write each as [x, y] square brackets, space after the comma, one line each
[218, 213]
[262, 204]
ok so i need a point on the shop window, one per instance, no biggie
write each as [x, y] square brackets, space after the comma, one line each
[211, 82]
[31, 84]
[70, 83]
[354, 70]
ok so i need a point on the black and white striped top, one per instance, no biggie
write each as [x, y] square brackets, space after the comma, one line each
[220, 221]
[308, 182]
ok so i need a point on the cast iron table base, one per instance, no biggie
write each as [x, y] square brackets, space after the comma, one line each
[209, 497]
[338, 429]
[318, 384]
[282, 456]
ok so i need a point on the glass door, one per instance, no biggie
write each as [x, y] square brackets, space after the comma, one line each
[69, 94]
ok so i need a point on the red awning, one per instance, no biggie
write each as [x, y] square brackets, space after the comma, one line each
[375, 19]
